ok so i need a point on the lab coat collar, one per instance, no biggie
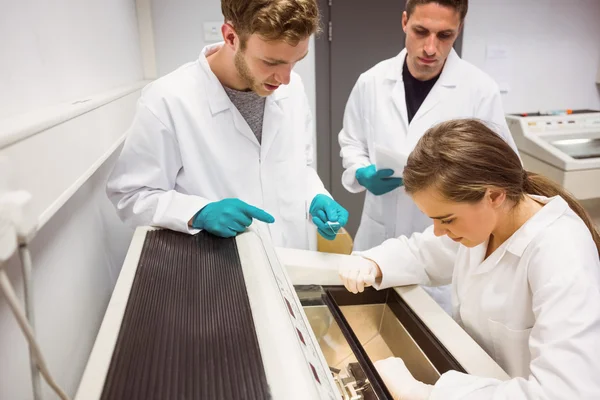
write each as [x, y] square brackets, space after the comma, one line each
[217, 97]
[451, 72]
[554, 208]
[394, 72]
[281, 93]
[447, 81]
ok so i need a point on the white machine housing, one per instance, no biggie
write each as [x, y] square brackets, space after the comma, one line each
[294, 364]
[565, 148]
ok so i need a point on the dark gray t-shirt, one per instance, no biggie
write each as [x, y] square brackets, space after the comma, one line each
[251, 106]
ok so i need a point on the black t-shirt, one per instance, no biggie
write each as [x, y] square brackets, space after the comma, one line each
[415, 91]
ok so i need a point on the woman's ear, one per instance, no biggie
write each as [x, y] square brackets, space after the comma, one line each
[495, 197]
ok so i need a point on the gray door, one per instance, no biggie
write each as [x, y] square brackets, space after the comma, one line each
[362, 34]
[357, 35]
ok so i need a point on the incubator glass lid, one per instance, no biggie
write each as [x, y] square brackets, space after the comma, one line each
[578, 148]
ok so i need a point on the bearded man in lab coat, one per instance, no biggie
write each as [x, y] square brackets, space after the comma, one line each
[395, 102]
[227, 139]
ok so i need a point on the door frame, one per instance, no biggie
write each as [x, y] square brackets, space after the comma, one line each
[323, 96]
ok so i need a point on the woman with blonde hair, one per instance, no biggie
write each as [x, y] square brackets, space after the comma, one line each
[522, 256]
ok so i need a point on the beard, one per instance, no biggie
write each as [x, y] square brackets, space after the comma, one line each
[244, 71]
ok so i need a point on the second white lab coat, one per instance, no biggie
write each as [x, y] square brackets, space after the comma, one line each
[533, 305]
[189, 146]
[376, 115]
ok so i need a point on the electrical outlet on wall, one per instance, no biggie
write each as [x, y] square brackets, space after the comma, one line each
[212, 31]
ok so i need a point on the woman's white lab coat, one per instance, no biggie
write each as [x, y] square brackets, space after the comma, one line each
[376, 115]
[533, 304]
[189, 145]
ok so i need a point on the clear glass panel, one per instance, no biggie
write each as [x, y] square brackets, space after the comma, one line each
[579, 148]
[380, 333]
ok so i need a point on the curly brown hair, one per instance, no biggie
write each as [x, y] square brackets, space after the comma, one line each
[288, 20]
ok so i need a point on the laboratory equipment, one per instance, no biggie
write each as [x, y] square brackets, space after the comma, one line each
[204, 317]
[564, 148]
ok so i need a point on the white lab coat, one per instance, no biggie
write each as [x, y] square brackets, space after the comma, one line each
[189, 145]
[376, 115]
[533, 305]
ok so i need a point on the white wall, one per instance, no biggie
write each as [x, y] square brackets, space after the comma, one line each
[178, 30]
[179, 37]
[54, 52]
[61, 50]
[554, 50]
[77, 257]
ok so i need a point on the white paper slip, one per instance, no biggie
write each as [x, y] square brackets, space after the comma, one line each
[386, 159]
[335, 228]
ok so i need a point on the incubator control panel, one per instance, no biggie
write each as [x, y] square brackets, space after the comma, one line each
[563, 124]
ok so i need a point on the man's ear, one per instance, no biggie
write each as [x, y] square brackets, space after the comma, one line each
[230, 36]
[404, 21]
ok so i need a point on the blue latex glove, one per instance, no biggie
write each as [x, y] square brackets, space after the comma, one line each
[228, 217]
[377, 182]
[324, 209]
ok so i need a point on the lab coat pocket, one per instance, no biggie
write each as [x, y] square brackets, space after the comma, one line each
[511, 348]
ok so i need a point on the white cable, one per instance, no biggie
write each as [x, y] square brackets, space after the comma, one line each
[17, 224]
[28, 296]
[13, 302]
